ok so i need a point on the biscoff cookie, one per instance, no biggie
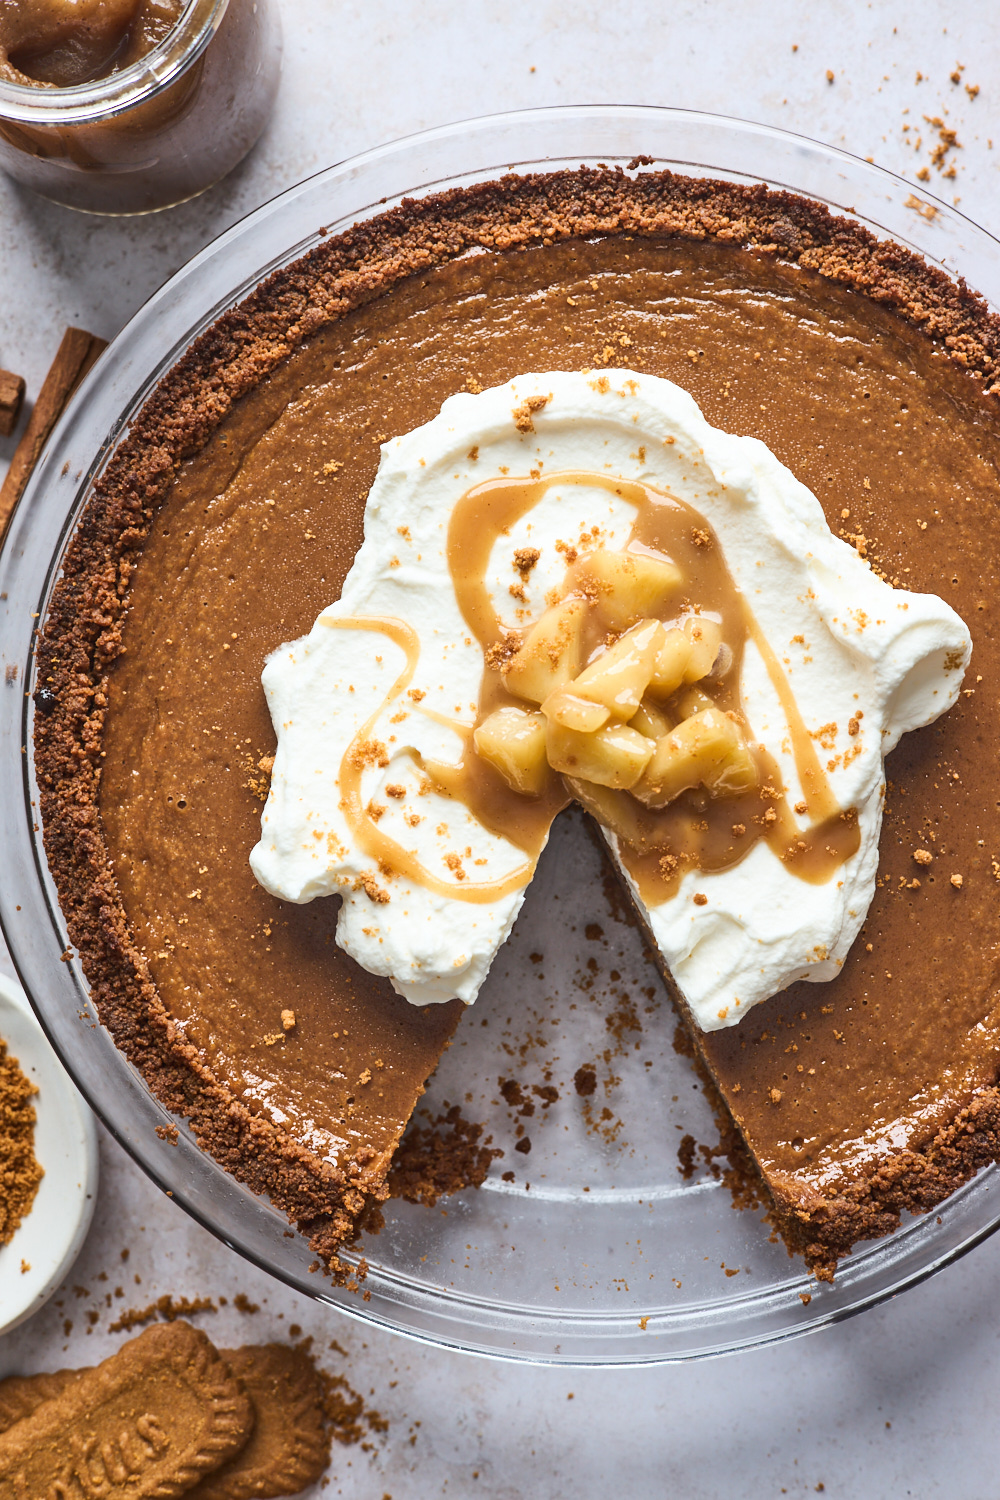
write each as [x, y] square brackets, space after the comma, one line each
[146, 1424]
[289, 1449]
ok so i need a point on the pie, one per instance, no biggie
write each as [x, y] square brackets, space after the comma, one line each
[227, 520]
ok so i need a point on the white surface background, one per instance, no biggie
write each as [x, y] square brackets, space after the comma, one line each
[898, 1402]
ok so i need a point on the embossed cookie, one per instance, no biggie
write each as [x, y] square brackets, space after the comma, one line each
[146, 1424]
[289, 1449]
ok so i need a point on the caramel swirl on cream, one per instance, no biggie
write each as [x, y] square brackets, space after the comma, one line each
[461, 781]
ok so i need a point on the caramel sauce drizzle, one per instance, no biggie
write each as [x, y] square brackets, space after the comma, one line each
[463, 782]
[657, 846]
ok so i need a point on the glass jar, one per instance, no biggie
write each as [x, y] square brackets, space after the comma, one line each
[159, 131]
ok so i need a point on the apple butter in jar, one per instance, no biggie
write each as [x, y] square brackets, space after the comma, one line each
[125, 106]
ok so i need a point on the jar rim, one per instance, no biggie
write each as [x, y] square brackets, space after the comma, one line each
[103, 98]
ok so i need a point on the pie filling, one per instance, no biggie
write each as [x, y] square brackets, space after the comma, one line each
[228, 521]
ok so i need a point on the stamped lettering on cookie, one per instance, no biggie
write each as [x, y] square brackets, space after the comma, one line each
[147, 1424]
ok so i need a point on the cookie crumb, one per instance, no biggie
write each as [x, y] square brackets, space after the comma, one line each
[21, 1172]
[585, 1081]
[523, 414]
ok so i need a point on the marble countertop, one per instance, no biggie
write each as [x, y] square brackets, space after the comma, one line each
[893, 1403]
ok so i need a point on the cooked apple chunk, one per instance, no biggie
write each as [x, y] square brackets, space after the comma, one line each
[706, 637]
[565, 708]
[705, 750]
[671, 663]
[630, 584]
[620, 675]
[651, 720]
[513, 741]
[690, 702]
[615, 756]
[551, 653]
[737, 775]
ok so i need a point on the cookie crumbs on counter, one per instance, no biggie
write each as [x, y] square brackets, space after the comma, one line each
[348, 1420]
[167, 1308]
[585, 1081]
[956, 881]
[20, 1172]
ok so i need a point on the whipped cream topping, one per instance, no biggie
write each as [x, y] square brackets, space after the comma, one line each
[388, 680]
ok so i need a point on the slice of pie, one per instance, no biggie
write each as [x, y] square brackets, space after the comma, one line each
[227, 522]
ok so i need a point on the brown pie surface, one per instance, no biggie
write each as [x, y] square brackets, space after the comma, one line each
[228, 520]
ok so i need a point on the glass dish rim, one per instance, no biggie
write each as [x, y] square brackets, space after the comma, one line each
[102, 99]
[155, 1162]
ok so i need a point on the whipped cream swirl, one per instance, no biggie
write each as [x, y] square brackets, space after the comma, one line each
[866, 663]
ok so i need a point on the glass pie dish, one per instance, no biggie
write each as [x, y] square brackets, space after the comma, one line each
[606, 1254]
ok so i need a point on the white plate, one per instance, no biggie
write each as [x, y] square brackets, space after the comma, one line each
[51, 1236]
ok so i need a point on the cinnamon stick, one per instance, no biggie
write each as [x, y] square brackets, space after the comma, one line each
[76, 354]
[11, 396]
